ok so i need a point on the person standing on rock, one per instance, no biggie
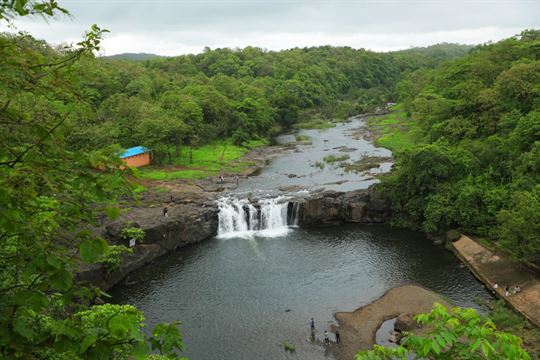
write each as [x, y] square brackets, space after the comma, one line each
[312, 324]
[338, 338]
[236, 180]
[326, 338]
[165, 211]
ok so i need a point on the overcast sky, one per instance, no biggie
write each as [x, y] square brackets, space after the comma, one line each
[173, 27]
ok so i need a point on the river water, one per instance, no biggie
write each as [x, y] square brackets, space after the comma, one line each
[240, 298]
[257, 284]
[298, 168]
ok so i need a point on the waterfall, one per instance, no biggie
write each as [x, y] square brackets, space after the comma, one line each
[267, 217]
[295, 214]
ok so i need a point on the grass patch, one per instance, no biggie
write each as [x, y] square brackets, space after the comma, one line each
[252, 144]
[319, 164]
[207, 160]
[157, 174]
[330, 159]
[303, 139]
[138, 189]
[288, 346]
[394, 131]
[503, 317]
[314, 123]
[364, 164]
[509, 321]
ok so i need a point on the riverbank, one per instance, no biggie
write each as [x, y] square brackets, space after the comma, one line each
[358, 328]
[498, 268]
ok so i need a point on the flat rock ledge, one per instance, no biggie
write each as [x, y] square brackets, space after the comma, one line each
[185, 224]
[492, 267]
[358, 328]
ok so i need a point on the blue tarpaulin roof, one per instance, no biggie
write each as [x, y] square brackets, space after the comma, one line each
[137, 150]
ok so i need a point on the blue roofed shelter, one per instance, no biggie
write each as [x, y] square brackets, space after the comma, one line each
[137, 156]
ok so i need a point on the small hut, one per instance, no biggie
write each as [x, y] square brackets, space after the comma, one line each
[137, 156]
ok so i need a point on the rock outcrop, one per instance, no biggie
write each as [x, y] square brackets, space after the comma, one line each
[360, 206]
[193, 220]
[405, 322]
[185, 224]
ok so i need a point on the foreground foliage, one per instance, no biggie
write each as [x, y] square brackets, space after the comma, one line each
[455, 334]
[49, 198]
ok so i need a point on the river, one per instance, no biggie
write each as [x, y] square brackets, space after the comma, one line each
[242, 294]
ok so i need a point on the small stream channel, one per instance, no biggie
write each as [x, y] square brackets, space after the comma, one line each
[257, 284]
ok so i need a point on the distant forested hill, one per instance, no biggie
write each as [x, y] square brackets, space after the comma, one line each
[478, 165]
[132, 56]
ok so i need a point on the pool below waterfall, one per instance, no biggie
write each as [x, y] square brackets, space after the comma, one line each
[240, 297]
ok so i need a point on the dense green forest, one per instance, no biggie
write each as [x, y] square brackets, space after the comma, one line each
[64, 113]
[476, 165]
[242, 94]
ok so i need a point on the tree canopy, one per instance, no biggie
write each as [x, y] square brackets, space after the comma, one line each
[476, 166]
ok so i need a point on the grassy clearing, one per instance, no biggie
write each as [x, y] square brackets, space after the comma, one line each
[394, 131]
[207, 160]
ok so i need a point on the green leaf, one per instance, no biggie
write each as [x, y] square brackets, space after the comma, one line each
[88, 341]
[92, 249]
[61, 280]
[140, 350]
[485, 349]
[54, 261]
[119, 325]
[35, 299]
[436, 348]
[23, 329]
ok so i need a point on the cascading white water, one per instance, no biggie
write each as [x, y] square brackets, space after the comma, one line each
[240, 218]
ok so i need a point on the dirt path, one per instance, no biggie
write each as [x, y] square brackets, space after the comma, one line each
[493, 268]
[358, 328]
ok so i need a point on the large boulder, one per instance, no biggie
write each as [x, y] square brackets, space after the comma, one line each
[405, 322]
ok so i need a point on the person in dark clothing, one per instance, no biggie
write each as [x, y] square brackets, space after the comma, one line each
[165, 211]
[312, 324]
[338, 339]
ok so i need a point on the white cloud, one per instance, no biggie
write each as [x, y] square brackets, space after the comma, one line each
[169, 27]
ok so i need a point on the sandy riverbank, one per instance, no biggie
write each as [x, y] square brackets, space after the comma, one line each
[358, 328]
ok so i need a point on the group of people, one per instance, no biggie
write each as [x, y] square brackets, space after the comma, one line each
[221, 180]
[508, 290]
[326, 334]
